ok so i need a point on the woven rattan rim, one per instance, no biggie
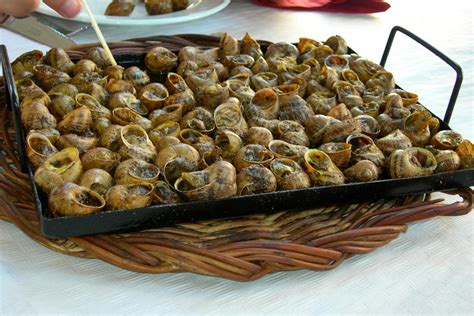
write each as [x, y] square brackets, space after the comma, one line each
[241, 249]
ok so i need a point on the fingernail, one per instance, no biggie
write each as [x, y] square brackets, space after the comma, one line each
[70, 8]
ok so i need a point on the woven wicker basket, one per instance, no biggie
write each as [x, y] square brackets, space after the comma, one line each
[241, 249]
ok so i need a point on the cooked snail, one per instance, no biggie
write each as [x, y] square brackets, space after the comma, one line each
[97, 180]
[124, 197]
[70, 199]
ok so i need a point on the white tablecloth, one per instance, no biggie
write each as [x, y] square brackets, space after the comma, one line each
[429, 269]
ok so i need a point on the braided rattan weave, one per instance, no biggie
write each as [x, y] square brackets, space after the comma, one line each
[241, 249]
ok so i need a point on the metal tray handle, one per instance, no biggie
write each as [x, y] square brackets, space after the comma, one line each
[446, 59]
[12, 98]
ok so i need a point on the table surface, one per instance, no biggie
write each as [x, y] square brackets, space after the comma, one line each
[430, 269]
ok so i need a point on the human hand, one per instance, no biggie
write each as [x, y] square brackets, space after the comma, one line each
[20, 8]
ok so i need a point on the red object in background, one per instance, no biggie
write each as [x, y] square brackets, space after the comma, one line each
[344, 6]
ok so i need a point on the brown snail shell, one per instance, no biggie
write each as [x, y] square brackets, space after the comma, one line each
[98, 56]
[185, 98]
[110, 137]
[113, 72]
[371, 109]
[26, 61]
[340, 112]
[229, 46]
[228, 116]
[153, 96]
[239, 71]
[408, 98]
[38, 148]
[164, 194]
[289, 174]
[136, 171]
[124, 197]
[82, 143]
[84, 65]
[350, 76]
[83, 80]
[217, 181]
[465, 150]
[233, 61]
[369, 125]
[250, 47]
[201, 79]
[51, 133]
[362, 171]
[321, 104]
[282, 149]
[34, 96]
[259, 135]
[35, 115]
[339, 131]
[211, 96]
[54, 79]
[416, 127]
[96, 108]
[411, 162]
[337, 44]
[119, 8]
[98, 92]
[221, 70]
[264, 104]
[292, 106]
[199, 119]
[135, 143]
[229, 143]
[175, 83]
[252, 154]
[97, 180]
[166, 141]
[383, 79]
[170, 113]
[186, 67]
[127, 100]
[160, 59]
[239, 89]
[321, 170]
[340, 153]
[175, 159]
[255, 179]
[374, 94]
[292, 132]
[169, 128]
[61, 105]
[446, 160]
[78, 121]
[59, 59]
[316, 126]
[101, 158]
[70, 199]
[264, 80]
[446, 139]
[139, 78]
[260, 65]
[120, 85]
[347, 94]
[363, 147]
[100, 125]
[193, 53]
[61, 167]
[202, 142]
[126, 116]
[365, 68]
[395, 140]
[65, 89]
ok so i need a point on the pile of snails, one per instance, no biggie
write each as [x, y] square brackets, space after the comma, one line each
[226, 121]
[153, 7]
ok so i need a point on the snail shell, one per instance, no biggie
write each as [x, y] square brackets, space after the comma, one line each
[185, 98]
[119, 8]
[292, 132]
[83, 80]
[292, 106]
[63, 166]
[316, 126]
[35, 115]
[82, 143]
[160, 59]
[339, 131]
[228, 116]
[59, 59]
[175, 83]
[229, 143]
[110, 137]
[416, 127]
[369, 125]
[135, 143]
[127, 100]
[138, 77]
[170, 113]
[252, 154]
[364, 148]
[282, 149]
[228, 46]
[340, 112]
[264, 80]
[447, 160]
[211, 96]
[240, 90]
[113, 72]
[131, 196]
[350, 76]
[465, 150]
[264, 104]
[177, 158]
[97, 180]
[153, 96]
[120, 85]
[198, 119]
[411, 162]
[408, 98]
[96, 108]
[259, 135]
[70, 199]
[289, 174]
[446, 139]
[38, 148]
[84, 65]
[65, 89]
[100, 125]
[126, 116]
[347, 94]
[250, 47]
[321, 104]
[395, 140]
[202, 142]
[168, 128]
[365, 68]
[202, 78]
[383, 79]
[78, 121]
[321, 170]
[371, 108]
[338, 44]
[61, 105]
[362, 171]
[51, 133]
[255, 179]
[136, 171]
[98, 56]
[217, 181]
[260, 65]
[164, 194]
[340, 153]
[101, 158]
[166, 141]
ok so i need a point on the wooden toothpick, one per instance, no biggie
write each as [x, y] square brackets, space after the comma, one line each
[97, 30]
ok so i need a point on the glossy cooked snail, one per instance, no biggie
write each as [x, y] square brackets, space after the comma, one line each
[203, 124]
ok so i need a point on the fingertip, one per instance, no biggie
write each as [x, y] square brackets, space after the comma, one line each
[70, 8]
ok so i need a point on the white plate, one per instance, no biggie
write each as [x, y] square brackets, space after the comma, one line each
[196, 10]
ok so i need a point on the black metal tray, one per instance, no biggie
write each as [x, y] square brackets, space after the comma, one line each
[164, 215]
